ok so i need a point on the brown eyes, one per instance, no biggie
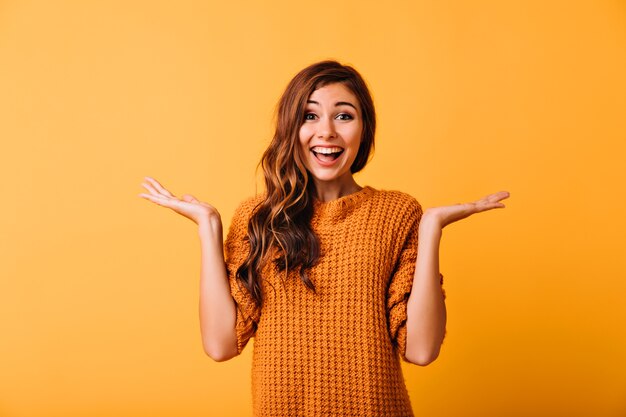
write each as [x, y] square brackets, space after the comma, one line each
[341, 116]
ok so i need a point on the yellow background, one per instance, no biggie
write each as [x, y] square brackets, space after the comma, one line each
[99, 288]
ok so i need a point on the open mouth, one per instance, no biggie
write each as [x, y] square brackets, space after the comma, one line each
[327, 154]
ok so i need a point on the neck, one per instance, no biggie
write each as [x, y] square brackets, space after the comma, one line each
[332, 190]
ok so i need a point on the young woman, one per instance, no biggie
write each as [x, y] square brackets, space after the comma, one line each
[322, 272]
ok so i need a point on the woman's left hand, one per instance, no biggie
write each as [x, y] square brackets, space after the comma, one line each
[445, 215]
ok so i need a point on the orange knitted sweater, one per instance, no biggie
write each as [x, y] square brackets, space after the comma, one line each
[335, 352]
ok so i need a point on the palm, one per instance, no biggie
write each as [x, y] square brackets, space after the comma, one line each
[187, 205]
[450, 214]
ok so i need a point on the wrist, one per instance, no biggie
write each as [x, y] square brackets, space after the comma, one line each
[430, 222]
[210, 228]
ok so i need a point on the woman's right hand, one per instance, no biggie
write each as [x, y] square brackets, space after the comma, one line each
[189, 206]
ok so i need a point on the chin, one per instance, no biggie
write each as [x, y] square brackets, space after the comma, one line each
[325, 176]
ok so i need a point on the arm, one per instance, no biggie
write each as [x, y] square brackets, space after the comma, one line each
[217, 307]
[426, 308]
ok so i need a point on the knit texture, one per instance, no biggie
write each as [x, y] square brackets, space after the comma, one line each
[334, 352]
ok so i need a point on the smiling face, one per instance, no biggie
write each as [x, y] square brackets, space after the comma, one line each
[330, 135]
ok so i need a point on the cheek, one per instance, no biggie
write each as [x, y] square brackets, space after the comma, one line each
[304, 135]
[304, 143]
[355, 139]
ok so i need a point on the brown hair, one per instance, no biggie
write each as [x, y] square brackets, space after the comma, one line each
[282, 219]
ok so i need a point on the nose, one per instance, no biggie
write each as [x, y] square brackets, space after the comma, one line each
[326, 129]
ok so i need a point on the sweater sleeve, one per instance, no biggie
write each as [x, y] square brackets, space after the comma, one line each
[236, 249]
[402, 282]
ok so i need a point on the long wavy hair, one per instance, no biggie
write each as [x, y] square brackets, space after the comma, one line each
[281, 221]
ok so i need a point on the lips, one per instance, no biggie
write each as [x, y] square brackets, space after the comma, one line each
[326, 155]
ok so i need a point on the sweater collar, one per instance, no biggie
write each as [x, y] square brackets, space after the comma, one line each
[340, 207]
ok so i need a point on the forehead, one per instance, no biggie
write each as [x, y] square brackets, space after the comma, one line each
[333, 93]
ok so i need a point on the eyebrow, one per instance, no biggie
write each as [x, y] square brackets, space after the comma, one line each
[339, 103]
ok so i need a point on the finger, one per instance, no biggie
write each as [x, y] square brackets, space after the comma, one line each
[158, 199]
[492, 206]
[171, 203]
[158, 186]
[189, 198]
[500, 195]
[493, 198]
[146, 196]
[156, 192]
[150, 188]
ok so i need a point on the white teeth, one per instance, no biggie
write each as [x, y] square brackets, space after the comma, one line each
[326, 151]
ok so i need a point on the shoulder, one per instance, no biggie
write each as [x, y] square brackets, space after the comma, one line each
[246, 207]
[248, 204]
[397, 202]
